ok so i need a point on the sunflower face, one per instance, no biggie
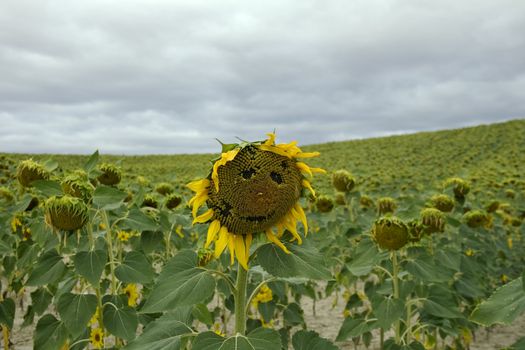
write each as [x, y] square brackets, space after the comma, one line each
[66, 213]
[253, 188]
[390, 233]
[257, 188]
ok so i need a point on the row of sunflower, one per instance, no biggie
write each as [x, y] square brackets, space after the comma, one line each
[98, 264]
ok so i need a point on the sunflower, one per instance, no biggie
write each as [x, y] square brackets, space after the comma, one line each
[253, 188]
[132, 293]
[97, 338]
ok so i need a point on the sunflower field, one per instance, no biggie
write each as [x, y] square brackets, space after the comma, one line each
[405, 242]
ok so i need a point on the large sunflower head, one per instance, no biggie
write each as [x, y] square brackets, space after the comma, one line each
[28, 171]
[253, 188]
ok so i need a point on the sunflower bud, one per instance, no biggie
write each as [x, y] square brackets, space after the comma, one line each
[390, 233]
[340, 199]
[492, 207]
[460, 187]
[111, 175]
[416, 230]
[66, 213]
[173, 201]
[510, 193]
[433, 220]
[343, 181]
[386, 205]
[324, 204]
[164, 188]
[29, 171]
[366, 202]
[442, 202]
[77, 185]
[150, 201]
[477, 218]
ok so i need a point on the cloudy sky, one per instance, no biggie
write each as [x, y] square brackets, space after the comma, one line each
[152, 76]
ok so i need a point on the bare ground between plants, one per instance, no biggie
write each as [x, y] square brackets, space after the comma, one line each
[327, 322]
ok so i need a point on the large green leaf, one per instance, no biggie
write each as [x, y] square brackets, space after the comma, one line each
[137, 220]
[76, 310]
[7, 312]
[40, 299]
[365, 257]
[353, 327]
[503, 306]
[90, 264]
[439, 310]
[135, 269]
[48, 269]
[120, 320]
[48, 187]
[91, 162]
[310, 340]
[165, 333]
[304, 261]
[388, 311]
[258, 339]
[180, 283]
[50, 333]
[426, 270]
[108, 198]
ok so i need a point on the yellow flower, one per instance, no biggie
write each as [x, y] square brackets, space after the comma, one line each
[131, 291]
[509, 242]
[263, 296]
[217, 330]
[469, 252]
[94, 319]
[265, 324]
[15, 224]
[504, 278]
[253, 188]
[102, 226]
[97, 338]
[123, 236]
[179, 232]
[347, 313]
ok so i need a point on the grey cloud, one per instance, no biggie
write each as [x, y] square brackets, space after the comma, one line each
[169, 77]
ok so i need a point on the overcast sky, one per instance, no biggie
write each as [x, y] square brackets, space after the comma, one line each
[139, 77]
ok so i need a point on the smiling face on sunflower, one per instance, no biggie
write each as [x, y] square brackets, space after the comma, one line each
[253, 188]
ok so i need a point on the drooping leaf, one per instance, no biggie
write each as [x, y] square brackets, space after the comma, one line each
[90, 264]
[48, 269]
[7, 312]
[353, 327]
[135, 268]
[137, 220]
[50, 333]
[503, 306]
[48, 187]
[108, 198]
[310, 340]
[121, 321]
[388, 311]
[76, 310]
[365, 257]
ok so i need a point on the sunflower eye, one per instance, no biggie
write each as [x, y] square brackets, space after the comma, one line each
[276, 177]
[248, 173]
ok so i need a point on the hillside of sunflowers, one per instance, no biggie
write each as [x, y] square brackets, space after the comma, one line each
[402, 242]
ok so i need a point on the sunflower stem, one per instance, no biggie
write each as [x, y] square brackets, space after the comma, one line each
[109, 240]
[240, 300]
[395, 282]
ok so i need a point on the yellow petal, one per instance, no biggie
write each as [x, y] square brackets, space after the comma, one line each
[213, 229]
[302, 217]
[292, 227]
[225, 158]
[307, 185]
[231, 247]
[203, 217]
[199, 185]
[304, 168]
[274, 150]
[271, 237]
[222, 242]
[307, 155]
[198, 201]
[318, 170]
[271, 139]
[240, 251]
[248, 242]
[280, 230]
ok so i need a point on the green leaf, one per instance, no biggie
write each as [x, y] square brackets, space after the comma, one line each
[365, 257]
[76, 310]
[352, 327]
[444, 311]
[48, 187]
[201, 313]
[7, 312]
[50, 165]
[137, 220]
[293, 315]
[258, 339]
[180, 283]
[503, 306]
[50, 333]
[40, 299]
[92, 162]
[48, 269]
[388, 311]
[108, 198]
[91, 264]
[120, 321]
[164, 333]
[23, 203]
[427, 270]
[135, 269]
[523, 280]
[310, 340]
[304, 261]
